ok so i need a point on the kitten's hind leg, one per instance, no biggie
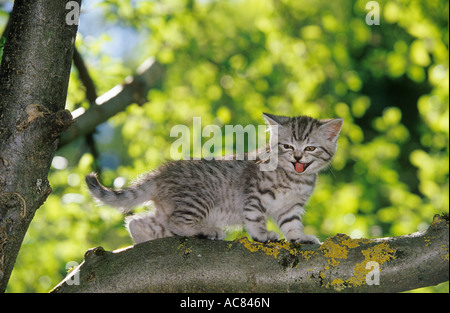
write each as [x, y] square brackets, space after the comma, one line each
[147, 227]
[189, 222]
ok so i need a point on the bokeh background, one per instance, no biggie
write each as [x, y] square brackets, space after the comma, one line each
[229, 61]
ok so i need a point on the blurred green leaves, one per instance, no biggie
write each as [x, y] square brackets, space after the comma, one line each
[2, 46]
[229, 61]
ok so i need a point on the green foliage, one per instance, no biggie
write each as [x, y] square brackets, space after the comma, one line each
[229, 61]
[2, 46]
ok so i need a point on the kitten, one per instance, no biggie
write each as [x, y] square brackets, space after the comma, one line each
[201, 197]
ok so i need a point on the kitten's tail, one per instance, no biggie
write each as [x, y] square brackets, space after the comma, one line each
[125, 199]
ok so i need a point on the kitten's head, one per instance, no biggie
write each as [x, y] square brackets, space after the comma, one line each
[305, 145]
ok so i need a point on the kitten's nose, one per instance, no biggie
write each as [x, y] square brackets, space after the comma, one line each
[298, 157]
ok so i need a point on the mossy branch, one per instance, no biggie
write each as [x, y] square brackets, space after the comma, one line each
[340, 264]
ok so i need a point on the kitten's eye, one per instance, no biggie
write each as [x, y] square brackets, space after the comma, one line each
[288, 147]
[310, 148]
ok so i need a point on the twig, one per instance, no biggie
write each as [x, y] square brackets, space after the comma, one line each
[91, 93]
[115, 100]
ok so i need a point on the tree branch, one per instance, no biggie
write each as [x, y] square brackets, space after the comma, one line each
[134, 90]
[179, 264]
[83, 73]
[91, 95]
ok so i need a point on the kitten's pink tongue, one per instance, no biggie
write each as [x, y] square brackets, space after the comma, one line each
[299, 167]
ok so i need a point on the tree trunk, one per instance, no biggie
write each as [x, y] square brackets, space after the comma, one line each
[34, 76]
[340, 264]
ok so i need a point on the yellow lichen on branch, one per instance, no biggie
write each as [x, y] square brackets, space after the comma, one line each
[270, 248]
[275, 248]
[444, 249]
[333, 251]
[337, 248]
[380, 254]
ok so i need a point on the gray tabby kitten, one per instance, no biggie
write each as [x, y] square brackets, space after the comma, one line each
[201, 197]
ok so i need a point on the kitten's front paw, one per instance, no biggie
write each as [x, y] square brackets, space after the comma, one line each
[268, 236]
[272, 236]
[212, 234]
[306, 239]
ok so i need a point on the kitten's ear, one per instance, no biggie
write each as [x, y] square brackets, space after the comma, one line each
[331, 128]
[275, 119]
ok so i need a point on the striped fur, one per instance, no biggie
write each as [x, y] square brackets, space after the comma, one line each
[201, 197]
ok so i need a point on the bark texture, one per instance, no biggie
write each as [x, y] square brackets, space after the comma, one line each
[340, 264]
[34, 76]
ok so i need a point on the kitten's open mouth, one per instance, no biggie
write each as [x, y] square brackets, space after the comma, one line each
[301, 167]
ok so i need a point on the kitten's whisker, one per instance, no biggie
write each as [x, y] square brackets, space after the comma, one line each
[332, 171]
